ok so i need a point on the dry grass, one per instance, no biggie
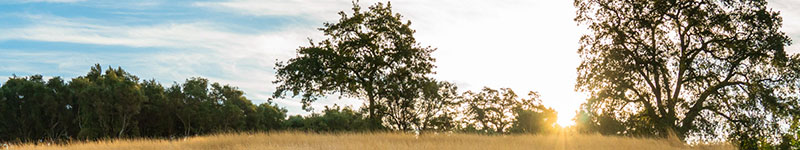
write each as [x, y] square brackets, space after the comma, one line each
[303, 141]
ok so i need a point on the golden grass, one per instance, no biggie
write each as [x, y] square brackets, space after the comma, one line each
[399, 141]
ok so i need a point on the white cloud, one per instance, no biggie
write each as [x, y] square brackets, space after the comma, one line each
[201, 35]
[305, 8]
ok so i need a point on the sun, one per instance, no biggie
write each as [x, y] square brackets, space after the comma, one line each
[565, 121]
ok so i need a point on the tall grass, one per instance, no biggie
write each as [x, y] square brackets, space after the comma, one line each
[399, 141]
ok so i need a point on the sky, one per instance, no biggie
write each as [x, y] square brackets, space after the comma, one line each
[526, 45]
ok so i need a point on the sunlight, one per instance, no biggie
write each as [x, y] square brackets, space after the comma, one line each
[565, 121]
[566, 104]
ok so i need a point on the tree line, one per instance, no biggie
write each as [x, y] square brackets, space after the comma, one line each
[116, 104]
[113, 103]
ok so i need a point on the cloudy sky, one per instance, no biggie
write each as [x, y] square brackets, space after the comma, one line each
[526, 45]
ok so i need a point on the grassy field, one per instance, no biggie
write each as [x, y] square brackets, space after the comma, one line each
[304, 141]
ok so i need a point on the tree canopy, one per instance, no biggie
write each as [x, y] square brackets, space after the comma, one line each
[696, 67]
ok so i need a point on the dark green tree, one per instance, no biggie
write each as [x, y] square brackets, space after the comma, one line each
[30, 103]
[267, 117]
[234, 106]
[707, 67]
[59, 103]
[184, 109]
[115, 98]
[88, 127]
[107, 102]
[361, 50]
[197, 111]
[157, 117]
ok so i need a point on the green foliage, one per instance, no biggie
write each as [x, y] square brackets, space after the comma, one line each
[267, 117]
[714, 68]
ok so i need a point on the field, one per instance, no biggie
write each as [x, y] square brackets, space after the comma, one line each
[347, 141]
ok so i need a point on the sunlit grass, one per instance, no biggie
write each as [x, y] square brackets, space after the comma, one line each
[400, 141]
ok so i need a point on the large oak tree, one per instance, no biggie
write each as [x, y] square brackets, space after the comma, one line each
[698, 67]
[362, 51]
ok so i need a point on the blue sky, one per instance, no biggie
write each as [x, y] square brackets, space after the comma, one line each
[164, 40]
[522, 44]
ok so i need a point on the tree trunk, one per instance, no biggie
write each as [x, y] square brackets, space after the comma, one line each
[372, 118]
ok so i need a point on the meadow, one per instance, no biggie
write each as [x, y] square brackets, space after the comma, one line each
[399, 141]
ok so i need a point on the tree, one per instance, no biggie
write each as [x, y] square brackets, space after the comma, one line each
[709, 67]
[267, 117]
[196, 109]
[421, 104]
[111, 100]
[59, 103]
[234, 106]
[107, 102]
[87, 116]
[34, 104]
[124, 96]
[361, 51]
[157, 117]
[438, 107]
[184, 109]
